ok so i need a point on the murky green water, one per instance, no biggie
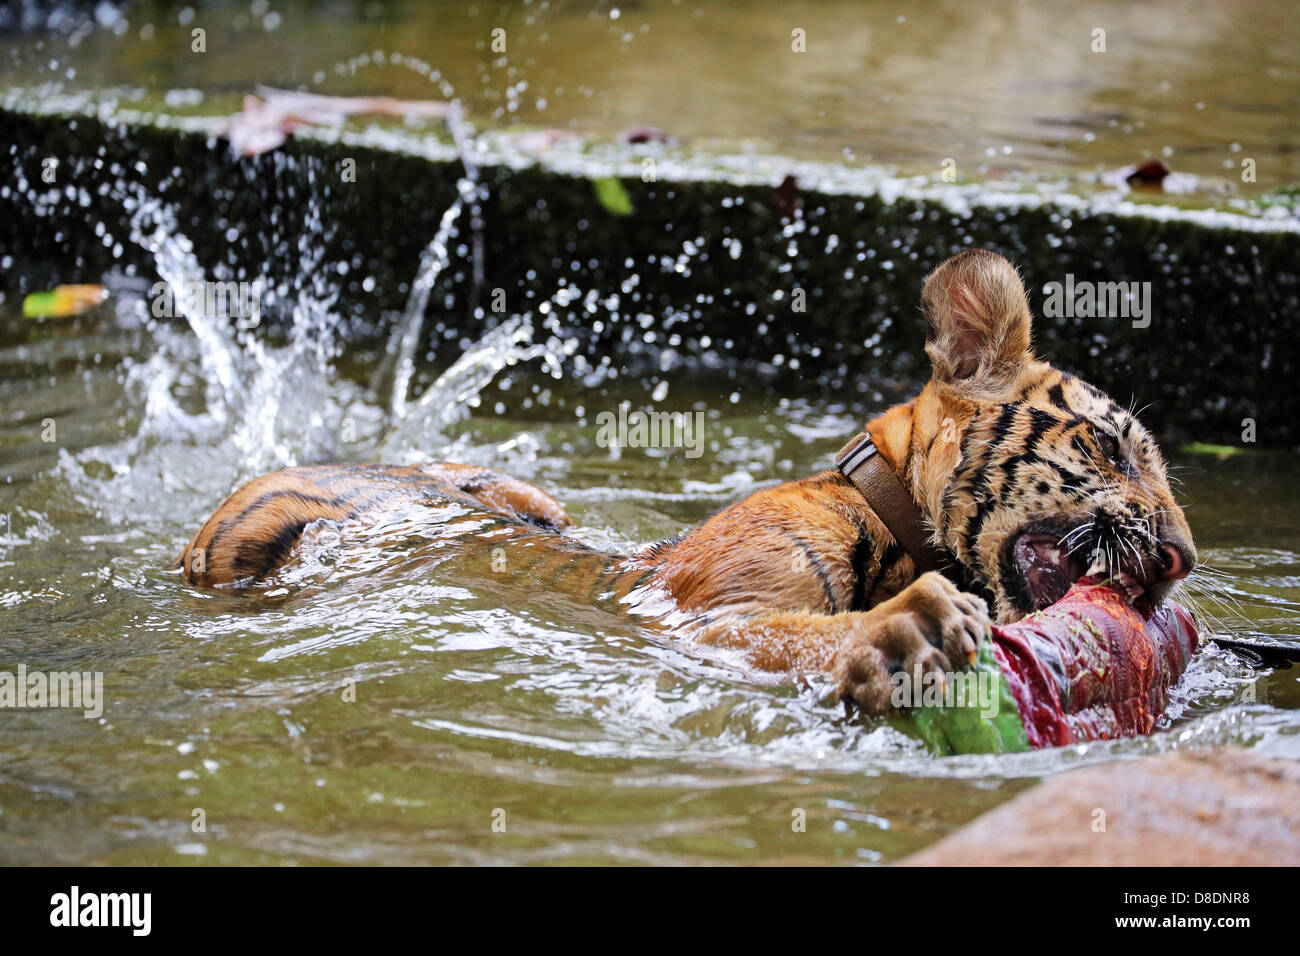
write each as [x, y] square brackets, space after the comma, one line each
[471, 697]
[388, 702]
[997, 87]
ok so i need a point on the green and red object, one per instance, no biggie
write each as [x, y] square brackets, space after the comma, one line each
[1089, 667]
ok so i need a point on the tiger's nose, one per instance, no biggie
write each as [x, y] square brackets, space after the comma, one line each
[1178, 561]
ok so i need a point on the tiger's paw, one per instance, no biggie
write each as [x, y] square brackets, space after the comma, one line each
[917, 636]
[950, 619]
[502, 493]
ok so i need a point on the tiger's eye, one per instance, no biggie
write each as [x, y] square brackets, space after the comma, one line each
[1108, 445]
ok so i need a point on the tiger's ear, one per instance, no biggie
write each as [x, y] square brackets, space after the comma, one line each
[977, 324]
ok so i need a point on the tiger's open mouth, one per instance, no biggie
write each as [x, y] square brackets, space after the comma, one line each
[1044, 561]
[1046, 568]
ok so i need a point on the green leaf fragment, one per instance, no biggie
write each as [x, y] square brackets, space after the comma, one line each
[39, 304]
[1205, 448]
[612, 195]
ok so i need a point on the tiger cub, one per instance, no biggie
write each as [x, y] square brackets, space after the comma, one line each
[1024, 478]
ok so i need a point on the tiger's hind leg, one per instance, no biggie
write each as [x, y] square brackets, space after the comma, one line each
[499, 492]
[255, 530]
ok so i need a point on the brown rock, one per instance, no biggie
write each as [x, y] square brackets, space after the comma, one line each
[1221, 808]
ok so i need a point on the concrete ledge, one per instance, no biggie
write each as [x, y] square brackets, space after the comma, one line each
[1225, 288]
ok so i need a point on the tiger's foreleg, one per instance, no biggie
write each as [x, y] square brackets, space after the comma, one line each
[930, 627]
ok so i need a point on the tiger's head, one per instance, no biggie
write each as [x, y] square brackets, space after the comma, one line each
[1031, 476]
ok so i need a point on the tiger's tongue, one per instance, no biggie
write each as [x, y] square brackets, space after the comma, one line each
[1047, 580]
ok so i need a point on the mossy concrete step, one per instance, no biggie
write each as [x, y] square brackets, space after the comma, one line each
[712, 257]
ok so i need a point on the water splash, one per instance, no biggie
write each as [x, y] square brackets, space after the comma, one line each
[406, 337]
[449, 398]
[273, 405]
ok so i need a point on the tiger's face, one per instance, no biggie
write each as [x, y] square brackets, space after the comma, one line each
[1056, 483]
[1050, 479]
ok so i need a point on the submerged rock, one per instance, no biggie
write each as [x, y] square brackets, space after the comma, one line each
[1220, 808]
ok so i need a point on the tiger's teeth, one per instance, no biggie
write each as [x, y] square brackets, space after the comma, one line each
[1130, 586]
[1098, 566]
[1054, 554]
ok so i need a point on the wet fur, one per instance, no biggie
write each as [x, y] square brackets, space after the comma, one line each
[255, 530]
[804, 577]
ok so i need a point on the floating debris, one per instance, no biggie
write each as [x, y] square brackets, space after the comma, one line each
[644, 134]
[612, 195]
[1154, 175]
[787, 200]
[63, 301]
[266, 122]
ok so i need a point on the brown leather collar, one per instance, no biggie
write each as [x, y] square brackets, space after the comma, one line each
[862, 464]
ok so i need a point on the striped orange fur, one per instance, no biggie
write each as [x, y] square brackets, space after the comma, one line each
[1002, 453]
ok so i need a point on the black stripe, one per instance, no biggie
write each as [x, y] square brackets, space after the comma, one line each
[277, 549]
[641, 579]
[1036, 383]
[1040, 423]
[817, 566]
[248, 556]
[606, 578]
[1094, 391]
[893, 554]
[982, 490]
[262, 502]
[864, 549]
